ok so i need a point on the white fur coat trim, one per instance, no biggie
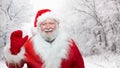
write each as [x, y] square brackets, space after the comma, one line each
[52, 54]
[13, 58]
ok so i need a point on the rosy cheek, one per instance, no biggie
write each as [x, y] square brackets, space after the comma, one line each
[42, 28]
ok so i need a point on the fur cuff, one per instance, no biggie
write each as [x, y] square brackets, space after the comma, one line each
[10, 58]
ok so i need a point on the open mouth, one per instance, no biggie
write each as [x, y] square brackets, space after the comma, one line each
[49, 30]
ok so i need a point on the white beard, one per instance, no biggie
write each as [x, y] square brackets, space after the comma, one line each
[52, 53]
[49, 38]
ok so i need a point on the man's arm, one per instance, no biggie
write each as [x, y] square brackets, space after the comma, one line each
[14, 51]
[77, 57]
[14, 61]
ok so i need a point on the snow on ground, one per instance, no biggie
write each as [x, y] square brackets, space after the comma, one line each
[95, 61]
[102, 61]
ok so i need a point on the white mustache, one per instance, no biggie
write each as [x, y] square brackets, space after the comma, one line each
[48, 30]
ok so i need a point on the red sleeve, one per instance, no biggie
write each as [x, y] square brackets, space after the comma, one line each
[78, 61]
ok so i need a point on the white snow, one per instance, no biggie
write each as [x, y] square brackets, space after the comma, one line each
[95, 61]
[102, 61]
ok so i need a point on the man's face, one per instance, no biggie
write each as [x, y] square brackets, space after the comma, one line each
[48, 26]
[49, 29]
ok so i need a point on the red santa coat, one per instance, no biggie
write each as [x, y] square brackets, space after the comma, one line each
[37, 53]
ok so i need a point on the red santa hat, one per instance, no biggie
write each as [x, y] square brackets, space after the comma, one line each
[39, 13]
[41, 16]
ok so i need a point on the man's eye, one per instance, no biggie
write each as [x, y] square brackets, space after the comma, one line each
[43, 24]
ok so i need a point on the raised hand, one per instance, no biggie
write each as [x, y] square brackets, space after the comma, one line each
[16, 41]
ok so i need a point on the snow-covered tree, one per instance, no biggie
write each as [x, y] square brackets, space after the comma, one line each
[96, 25]
[13, 14]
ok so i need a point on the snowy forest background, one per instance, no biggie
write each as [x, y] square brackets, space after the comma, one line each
[94, 24]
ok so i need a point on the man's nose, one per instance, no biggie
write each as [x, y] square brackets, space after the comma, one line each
[47, 27]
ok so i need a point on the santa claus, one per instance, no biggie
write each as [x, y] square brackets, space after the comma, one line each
[47, 48]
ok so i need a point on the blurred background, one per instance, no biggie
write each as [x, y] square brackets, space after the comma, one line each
[93, 24]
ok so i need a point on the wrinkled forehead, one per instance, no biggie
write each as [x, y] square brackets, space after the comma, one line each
[49, 20]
